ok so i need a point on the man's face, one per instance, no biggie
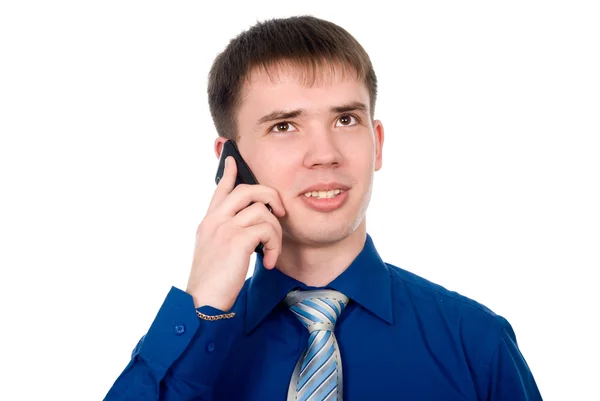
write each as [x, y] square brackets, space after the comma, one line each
[299, 139]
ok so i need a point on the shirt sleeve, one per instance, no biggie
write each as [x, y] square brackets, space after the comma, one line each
[511, 378]
[180, 356]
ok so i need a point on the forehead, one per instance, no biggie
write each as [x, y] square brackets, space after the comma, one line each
[276, 82]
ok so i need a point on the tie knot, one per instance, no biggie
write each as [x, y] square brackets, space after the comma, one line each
[317, 309]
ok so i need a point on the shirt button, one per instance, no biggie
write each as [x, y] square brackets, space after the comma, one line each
[210, 347]
[180, 329]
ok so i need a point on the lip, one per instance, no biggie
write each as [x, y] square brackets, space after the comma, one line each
[327, 204]
[325, 186]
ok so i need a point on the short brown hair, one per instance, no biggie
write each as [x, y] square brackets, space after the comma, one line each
[302, 40]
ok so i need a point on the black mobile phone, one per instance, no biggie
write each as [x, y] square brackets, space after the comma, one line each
[244, 174]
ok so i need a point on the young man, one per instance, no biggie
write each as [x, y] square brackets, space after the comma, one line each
[322, 317]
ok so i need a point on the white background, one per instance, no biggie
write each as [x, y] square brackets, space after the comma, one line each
[489, 187]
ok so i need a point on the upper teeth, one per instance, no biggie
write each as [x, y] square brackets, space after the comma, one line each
[323, 194]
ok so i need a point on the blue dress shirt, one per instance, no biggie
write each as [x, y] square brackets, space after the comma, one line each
[401, 337]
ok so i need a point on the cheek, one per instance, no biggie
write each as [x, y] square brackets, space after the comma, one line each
[277, 172]
[360, 153]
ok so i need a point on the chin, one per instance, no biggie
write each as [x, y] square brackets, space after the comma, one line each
[303, 226]
[320, 233]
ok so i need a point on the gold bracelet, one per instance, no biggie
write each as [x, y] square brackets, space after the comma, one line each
[216, 317]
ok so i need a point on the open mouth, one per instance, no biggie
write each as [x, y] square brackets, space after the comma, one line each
[323, 194]
[325, 201]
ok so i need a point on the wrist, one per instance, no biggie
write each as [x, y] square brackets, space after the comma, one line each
[203, 298]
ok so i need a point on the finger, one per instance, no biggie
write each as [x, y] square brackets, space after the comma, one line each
[225, 185]
[245, 194]
[255, 214]
[266, 234]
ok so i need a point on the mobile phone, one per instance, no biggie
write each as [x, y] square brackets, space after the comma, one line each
[244, 174]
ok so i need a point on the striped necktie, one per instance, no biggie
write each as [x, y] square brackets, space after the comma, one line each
[318, 373]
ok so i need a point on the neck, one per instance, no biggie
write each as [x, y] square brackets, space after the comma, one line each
[317, 266]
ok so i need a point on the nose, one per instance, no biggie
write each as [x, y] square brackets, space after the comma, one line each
[323, 150]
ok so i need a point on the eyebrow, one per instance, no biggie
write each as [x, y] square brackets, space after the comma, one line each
[287, 115]
[352, 106]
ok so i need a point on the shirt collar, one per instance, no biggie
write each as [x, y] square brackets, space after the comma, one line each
[366, 281]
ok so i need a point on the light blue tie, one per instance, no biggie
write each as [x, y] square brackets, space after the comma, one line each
[318, 373]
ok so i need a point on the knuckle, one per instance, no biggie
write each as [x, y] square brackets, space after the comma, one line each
[251, 212]
[240, 238]
[202, 227]
[278, 229]
[259, 208]
[264, 209]
[224, 230]
[228, 227]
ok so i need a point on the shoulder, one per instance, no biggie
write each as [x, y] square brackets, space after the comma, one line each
[445, 319]
[471, 325]
[422, 291]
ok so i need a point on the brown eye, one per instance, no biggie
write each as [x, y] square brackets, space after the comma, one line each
[347, 120]
[283, 126]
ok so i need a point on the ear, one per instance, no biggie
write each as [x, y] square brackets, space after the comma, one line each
[219, 141]
[379, 136]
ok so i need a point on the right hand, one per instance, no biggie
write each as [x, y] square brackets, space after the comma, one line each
[227, 237]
